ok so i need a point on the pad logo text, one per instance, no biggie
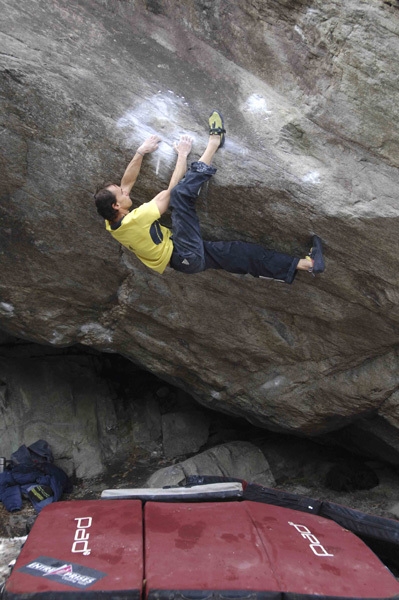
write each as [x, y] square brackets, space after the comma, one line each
[315, 546]
[82, 535]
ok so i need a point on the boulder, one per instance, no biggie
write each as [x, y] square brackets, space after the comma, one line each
[241, 460]
[309, 97]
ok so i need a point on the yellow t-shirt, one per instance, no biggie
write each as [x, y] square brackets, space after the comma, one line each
[141, 232]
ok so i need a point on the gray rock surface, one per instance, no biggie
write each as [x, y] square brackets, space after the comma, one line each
[96, 411]
[184, 433]
[309, 93]
[240, 460]
[62, 400]
[9, 551]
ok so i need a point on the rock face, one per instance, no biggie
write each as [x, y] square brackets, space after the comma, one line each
[96, 411]
[63, 399]
[184, 433]
[309, 93]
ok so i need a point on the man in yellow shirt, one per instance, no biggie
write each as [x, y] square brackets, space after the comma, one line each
[183, 248]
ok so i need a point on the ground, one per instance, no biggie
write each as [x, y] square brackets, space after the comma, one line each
[137, 468]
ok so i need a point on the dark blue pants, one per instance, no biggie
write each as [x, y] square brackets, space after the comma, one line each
[191, 254]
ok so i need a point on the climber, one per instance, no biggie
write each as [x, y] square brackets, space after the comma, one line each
[183, 248]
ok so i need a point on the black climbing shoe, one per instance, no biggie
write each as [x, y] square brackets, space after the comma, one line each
[316, 255]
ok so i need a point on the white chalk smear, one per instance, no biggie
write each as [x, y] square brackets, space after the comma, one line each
[8, 308]
[157, 115]
[162, 114]
[312, 177]
[56, 338]
[299, 32]
[256, 103]
[96, 332]
[273, 383]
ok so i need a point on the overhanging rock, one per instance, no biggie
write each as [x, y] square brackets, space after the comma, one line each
[309, 98]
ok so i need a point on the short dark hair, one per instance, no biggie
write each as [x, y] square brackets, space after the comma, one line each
[104, 199]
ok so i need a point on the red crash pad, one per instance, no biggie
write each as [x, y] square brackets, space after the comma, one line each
[94, 549]
[76, 549]
[242, 546]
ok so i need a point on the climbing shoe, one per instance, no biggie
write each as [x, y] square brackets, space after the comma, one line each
[316, 256]
[216, 126]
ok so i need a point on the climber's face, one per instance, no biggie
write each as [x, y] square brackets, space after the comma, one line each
[122, 198]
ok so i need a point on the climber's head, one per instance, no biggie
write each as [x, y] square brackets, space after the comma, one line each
[112, 201]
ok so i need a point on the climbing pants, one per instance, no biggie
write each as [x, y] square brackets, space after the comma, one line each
[191, 254]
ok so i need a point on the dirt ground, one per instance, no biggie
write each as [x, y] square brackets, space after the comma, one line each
[382, 500]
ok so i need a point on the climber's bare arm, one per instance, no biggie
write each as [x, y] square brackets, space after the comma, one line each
[133, 169]
[183, 149]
